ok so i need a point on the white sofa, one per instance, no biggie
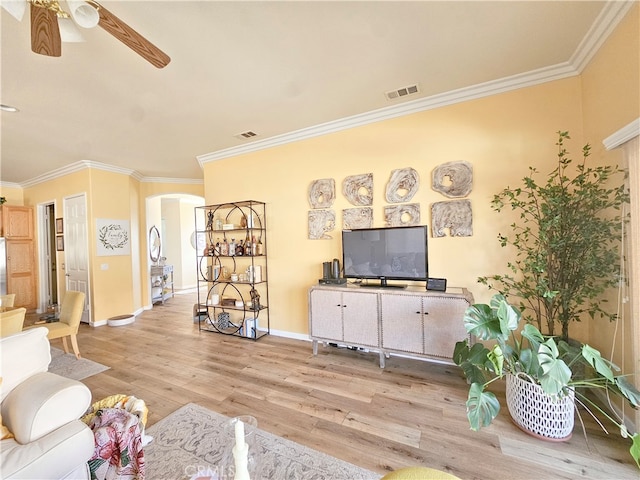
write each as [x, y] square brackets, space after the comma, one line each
[42, 410]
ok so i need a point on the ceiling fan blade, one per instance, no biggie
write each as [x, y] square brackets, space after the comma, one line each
[45, 33]
[131, 38]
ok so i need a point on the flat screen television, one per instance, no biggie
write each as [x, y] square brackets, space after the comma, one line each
[393, 253]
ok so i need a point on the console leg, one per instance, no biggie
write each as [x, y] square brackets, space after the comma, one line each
[381, 359]
[315, 347]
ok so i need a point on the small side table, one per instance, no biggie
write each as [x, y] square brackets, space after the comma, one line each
[161, 283]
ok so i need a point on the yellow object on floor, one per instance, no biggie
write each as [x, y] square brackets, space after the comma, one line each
[419, 473]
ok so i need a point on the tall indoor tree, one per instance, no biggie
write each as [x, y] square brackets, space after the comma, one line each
[567, 240]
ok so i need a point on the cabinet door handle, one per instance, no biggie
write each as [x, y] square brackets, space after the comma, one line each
[418, 312]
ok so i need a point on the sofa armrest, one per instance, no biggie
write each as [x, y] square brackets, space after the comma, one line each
[22, 355]
[42, 403]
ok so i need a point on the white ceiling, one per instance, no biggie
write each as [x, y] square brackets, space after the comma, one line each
[269, 67]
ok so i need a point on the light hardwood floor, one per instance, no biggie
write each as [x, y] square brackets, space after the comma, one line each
[339, 402]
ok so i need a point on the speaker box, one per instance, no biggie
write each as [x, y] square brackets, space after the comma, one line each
[437, 284]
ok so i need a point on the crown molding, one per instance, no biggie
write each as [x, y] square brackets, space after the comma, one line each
[542, 75]
[606, 22]
[611, 14]
[10, 185]
[188, 181]
[623, 135]
[84, 164]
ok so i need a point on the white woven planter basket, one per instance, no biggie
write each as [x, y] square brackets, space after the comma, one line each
[538, 413]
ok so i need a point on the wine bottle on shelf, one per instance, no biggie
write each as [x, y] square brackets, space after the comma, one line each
[232, 247]
[224, 247]
[218, 223]
[216, 250]
[247, 245]
[254, 245]
[239, 249]
[259, 247]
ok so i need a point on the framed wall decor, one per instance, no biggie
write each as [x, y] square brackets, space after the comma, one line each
[113, 237]
[59, 230]
[60, 243]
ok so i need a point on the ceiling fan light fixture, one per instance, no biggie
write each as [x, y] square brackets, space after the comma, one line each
[15, 8]
[69, 33]
[8, 108]
[83, 13]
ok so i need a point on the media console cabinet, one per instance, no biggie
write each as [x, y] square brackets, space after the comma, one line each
[410, 321]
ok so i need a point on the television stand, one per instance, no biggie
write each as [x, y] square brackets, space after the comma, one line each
[383, 284]
[410, 322]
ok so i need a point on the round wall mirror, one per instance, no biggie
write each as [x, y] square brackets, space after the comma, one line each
[154, 244]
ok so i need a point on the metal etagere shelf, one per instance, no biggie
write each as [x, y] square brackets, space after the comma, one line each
[233, 288]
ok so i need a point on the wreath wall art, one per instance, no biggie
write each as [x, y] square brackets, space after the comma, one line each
[113, 237]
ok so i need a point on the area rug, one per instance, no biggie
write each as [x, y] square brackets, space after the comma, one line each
[192, 442]
[67, 365]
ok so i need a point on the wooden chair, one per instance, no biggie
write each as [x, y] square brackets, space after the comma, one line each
[12, 321]
[67, 326]
[7, 300]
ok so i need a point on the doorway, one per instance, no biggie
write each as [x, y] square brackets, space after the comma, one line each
[76, 245]
[48, 262]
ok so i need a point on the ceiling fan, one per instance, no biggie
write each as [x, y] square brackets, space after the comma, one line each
[51, 25]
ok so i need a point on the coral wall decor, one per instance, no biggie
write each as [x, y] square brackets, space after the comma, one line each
[358, 189]
[459, 176]
[403, 185]
[355, 218]
[454, 215]
[322, 193]
[402, 215]
[321, 222]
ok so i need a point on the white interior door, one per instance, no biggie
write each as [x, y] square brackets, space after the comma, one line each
[76, 249]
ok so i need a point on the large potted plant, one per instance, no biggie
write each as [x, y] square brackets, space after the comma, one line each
[566, 241]
[542, 364]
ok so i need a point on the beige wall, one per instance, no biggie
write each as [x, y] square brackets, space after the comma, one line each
[54, 191]
[119, 288]
[13, 195]
[611, 100]
[500, 136]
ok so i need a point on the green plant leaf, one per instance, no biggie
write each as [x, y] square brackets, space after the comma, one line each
[482, 407]
[630, 392]
[635, 448]
[601, 365]
[534, 336]
[460, 352]
[555, 373]
[509, 317]
[472, 361]
[480, 320]
[496, 357]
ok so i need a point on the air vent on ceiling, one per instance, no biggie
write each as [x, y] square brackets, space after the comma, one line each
[402, 92]
[247, 134]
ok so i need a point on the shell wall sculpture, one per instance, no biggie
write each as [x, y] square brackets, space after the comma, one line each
[402, 215]
[358, 189]
[454, 215]
[322, 193]
[403, 185]
[321, 222]
[460, 176]
[355, 218]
